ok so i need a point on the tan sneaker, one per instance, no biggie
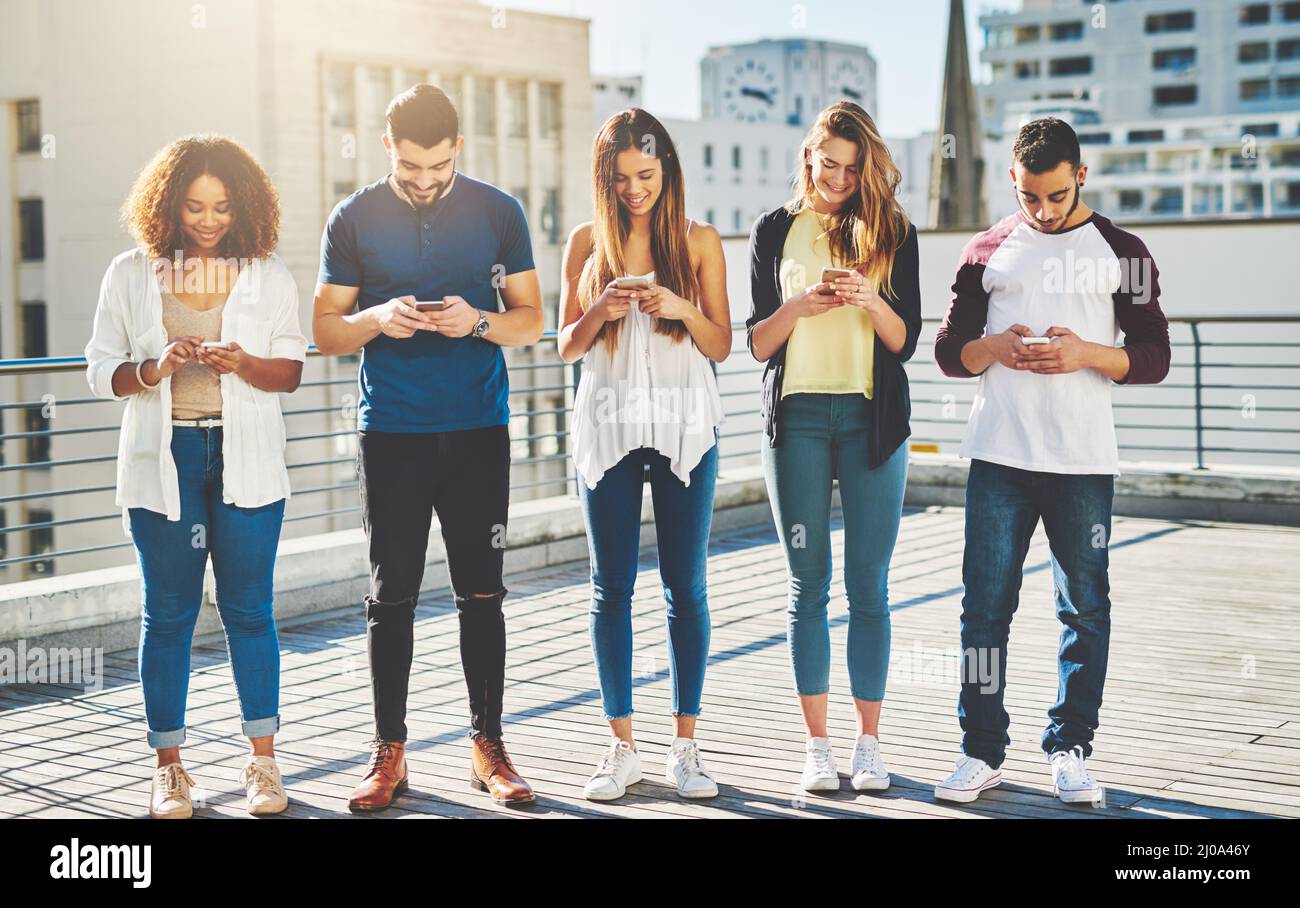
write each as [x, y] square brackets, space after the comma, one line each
[169, 798]
[261, 778]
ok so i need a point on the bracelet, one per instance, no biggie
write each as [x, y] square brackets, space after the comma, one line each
[140, 378]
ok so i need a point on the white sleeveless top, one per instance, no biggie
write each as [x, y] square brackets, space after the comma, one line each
[653, 392]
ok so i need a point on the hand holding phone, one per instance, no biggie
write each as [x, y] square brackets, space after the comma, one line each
[430, 305]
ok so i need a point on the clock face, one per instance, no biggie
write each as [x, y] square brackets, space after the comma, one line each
[749, 92]
[849, 80]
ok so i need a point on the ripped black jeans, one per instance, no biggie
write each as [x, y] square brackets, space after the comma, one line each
[465, 478]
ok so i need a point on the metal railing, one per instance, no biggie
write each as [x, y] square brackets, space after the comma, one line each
[1230, 397]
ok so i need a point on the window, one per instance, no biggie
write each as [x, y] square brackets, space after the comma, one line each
[551, 215]
[1070, 66]
[1065, 31]
[1290, 11]
[1168, 200]
[1288, 50]
[1254, 14]
[341, 95]
[31, 230]
[29, 125]
[1255, 89]
[1173, 59]
[1168, 95]
[1027, 69]
[1130, 200]
[38, 446]
[517, 109]
[708, 154]
[1094, 138]
[708, 216]
[764, 159]
[41, 540]
[735, 157]
[1260, 129]
[1288, 87]
[1146, 135]
[1027, 34]
[548, 110]
[1253, 52]
[34, 336]
[1292, 200]
[1171, 22]
[735, 220]
[485, 106]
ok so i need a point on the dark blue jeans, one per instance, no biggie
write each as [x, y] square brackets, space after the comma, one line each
[683, 517]
[173, 556]
[1003, 507]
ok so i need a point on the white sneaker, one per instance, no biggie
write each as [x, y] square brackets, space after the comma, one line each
[969, 779]
[868, 769]
[265, 788]
[683, 769]
[1071, 781]
[619, 768]
[819, 772]
[169, 797]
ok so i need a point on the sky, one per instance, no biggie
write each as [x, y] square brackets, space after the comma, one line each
[664, 40]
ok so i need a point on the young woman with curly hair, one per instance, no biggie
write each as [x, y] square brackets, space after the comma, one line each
[197, 330]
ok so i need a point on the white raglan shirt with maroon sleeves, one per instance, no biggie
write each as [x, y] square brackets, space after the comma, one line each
[1060, 423]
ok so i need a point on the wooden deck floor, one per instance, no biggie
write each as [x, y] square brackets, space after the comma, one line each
[1201, 715]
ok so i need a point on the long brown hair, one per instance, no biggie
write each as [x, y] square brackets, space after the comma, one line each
[152, 210]
[635, 128]
[868, 229]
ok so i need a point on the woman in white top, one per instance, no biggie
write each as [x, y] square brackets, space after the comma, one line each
[647, 408]
[197, 330]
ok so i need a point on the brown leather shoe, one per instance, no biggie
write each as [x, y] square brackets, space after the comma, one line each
[490, 770]
[386, 778]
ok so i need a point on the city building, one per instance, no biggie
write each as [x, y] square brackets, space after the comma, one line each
[90, 91]
[1186, 108]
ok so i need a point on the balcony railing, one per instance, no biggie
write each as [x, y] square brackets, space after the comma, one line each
[1230, 400]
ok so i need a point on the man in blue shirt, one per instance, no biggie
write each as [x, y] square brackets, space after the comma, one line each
[433, 432]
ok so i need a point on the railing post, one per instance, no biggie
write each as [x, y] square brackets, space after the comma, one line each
[1196, 380]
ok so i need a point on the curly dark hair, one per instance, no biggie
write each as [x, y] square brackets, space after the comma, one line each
[152, 211]
[1045, 143]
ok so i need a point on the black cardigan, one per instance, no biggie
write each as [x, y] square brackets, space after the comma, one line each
[893, 404]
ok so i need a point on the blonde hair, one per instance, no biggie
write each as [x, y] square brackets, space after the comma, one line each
[635, 128]
[868, 229]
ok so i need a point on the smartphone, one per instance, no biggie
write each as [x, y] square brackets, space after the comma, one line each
[221, 344]
[430, 306]
[631, 283]
[830, 275]
[1035, 340]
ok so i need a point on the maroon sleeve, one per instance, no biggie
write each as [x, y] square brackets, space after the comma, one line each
[968, 312]
[1137, 308]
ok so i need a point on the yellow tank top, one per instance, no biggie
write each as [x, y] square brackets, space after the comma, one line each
[830, 353]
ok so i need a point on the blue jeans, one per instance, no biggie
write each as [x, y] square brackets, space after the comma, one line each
[1003, 506]
[173, 556]
[825, 435]
[683, 517]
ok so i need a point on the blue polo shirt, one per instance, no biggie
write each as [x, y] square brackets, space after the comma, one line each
[379, 243]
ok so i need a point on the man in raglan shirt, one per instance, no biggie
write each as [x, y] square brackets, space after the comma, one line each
[433, 432]
[1041, 441]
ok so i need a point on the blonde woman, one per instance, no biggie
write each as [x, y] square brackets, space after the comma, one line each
[647, 406]
[836, 313]
[197, 330]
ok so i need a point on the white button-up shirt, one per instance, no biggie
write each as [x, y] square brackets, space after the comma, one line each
[261, 315]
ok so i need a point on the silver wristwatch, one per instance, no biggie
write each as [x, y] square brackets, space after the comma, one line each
[481, 327]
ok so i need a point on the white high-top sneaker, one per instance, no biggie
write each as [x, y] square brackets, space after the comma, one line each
[971, 777]
[868, 770]
[265, 788]
[684, 769]
[619, 768]
[169, 796]
[819, 772]
[1071, 781]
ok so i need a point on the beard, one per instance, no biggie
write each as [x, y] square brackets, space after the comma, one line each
[408, 189]
[1062, 221]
